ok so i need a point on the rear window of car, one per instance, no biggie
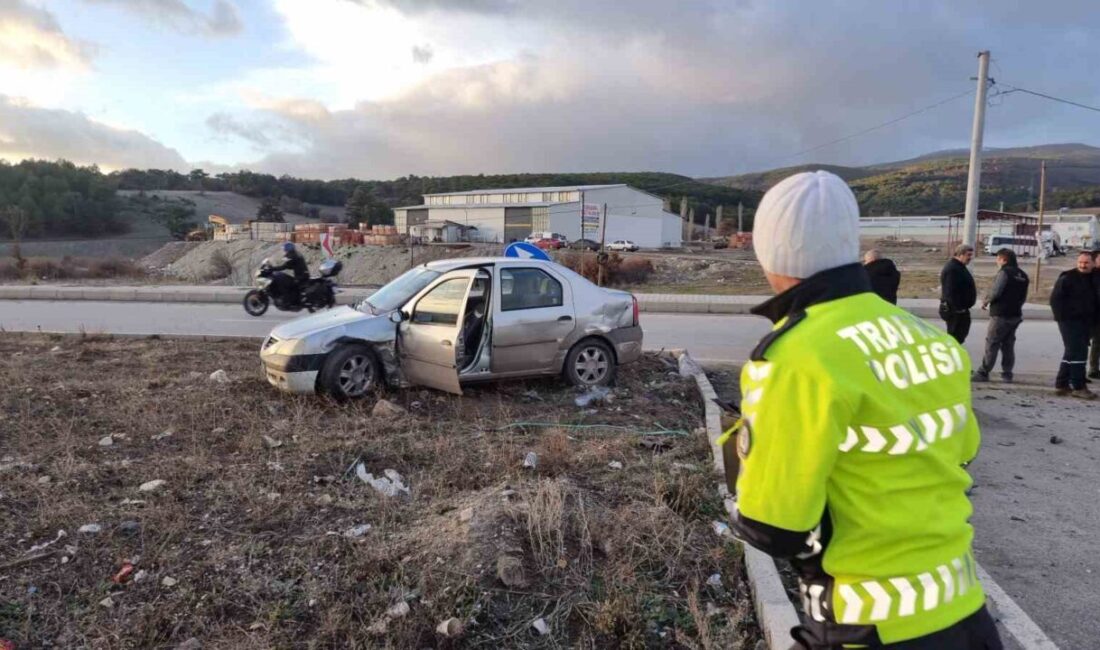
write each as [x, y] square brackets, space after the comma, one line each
[529, 289]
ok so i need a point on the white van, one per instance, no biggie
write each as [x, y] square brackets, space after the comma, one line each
[1022, 246]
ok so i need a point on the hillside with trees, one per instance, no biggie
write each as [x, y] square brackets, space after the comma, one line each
[936, 183]
[47, 199]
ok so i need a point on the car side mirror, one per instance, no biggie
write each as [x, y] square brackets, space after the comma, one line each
[397, 317]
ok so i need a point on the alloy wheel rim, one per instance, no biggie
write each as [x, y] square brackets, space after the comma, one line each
[591, 365]
[356, 376]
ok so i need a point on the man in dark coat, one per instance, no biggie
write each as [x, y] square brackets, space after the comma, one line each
[1005, 302]
[958, 292]
[1074, 303]
[1094, 342]
[885, 276]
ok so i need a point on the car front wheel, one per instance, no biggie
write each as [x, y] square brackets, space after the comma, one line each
[350, 372]
[590, 363]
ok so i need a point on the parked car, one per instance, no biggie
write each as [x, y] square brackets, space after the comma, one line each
[622, 245]
[451, 322]
[584, 245]
[549, 244]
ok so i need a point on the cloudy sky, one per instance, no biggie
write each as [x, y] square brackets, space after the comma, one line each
[384, 88]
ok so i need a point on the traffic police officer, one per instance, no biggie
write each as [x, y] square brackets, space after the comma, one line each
[856, 429]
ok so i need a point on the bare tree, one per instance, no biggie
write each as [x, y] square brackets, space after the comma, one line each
[17, 221]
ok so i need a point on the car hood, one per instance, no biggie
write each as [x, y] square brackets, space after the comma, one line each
[337, 317]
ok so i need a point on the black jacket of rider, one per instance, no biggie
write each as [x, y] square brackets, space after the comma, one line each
[297, 265]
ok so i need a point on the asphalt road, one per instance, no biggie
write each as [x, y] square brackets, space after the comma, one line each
[1036, 505]
[711, 338]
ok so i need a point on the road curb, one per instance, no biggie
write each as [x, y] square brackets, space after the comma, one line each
[661, 303]
[774, 611]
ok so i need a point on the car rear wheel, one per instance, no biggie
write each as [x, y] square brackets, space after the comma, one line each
[590, 363]
[350, 372]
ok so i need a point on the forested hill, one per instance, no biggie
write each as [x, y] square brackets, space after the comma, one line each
[409, 190]
[936, 183]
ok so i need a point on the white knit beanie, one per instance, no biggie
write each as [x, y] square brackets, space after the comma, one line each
[807, 223]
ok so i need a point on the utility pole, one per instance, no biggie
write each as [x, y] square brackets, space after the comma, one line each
[740, 208]
[684, 219]
[582, 215]
[1039, 229]
[970, 221]
[718, 220]
[691, 224]
[602, 257]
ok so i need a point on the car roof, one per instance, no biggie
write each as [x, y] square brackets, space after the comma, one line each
[464, 262]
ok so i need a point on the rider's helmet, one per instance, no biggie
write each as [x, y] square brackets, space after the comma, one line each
[288, 248]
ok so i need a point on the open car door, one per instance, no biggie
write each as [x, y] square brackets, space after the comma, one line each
[426, 339]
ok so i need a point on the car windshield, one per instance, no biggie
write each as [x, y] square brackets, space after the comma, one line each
[398, 291]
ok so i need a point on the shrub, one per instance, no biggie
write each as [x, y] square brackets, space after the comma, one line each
[618, 270]
[633, 270]
[220, 265]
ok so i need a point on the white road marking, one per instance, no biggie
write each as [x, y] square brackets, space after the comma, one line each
[1015, 620]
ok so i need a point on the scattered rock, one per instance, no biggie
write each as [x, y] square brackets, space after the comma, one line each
[466, 515]
[142, 574]
[531, 460]
[686, 467]
[399, 610]
[615, 465]
[391, 485]
[715, 580]
[272, 443]
[655, 444]
[152, 486]
[378, 628]
[219, 377]
[169, 581]
[510, 571]
[44, 480]
[90, 529]
[107, 602]
[190, 644]
[450, 628]
[357, 531]
[325, 500]
[162, 435]
[1055, 440]
[541, 627]
[106, 441]
[55, 349]
[219, 431]
[128, 528]
[688, 367]
[387, 409]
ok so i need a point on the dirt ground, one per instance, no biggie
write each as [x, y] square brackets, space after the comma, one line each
[264, 535]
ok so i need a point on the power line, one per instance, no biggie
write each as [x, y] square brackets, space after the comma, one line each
[1015, 89]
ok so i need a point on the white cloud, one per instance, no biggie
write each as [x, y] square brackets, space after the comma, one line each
[222, 19]
[31, 38]
[31, 131]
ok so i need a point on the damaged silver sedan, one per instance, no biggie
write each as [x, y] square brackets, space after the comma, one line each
[451, 322]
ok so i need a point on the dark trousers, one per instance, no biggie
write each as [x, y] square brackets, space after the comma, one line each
[958, 324]
[1094, 349]
[1000, 338]
[1075, 338]
[975, 632]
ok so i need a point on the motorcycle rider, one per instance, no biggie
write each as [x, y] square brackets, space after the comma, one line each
[296, 264]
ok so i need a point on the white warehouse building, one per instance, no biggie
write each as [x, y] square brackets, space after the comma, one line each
[506, 215]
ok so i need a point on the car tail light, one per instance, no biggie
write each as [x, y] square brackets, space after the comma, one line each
[635, 298]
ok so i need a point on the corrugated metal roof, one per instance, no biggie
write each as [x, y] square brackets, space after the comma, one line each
[511, 190]
[469, 206]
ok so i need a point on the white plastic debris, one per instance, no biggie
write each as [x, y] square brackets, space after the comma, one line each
[391, 485]
[106, 441]
[90, 529]
[531, 461]
[450, 628]
[142, 574]
[357, 531]
[720, 528]
[61, 534]
[272, 443]
[688, 367]
[594, 394]
[152, 486]
[615, 465]
[541, 627]
[715, 580]
[399, 610]
[219, 376]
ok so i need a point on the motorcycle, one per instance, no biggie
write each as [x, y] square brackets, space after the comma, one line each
[283, 290]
